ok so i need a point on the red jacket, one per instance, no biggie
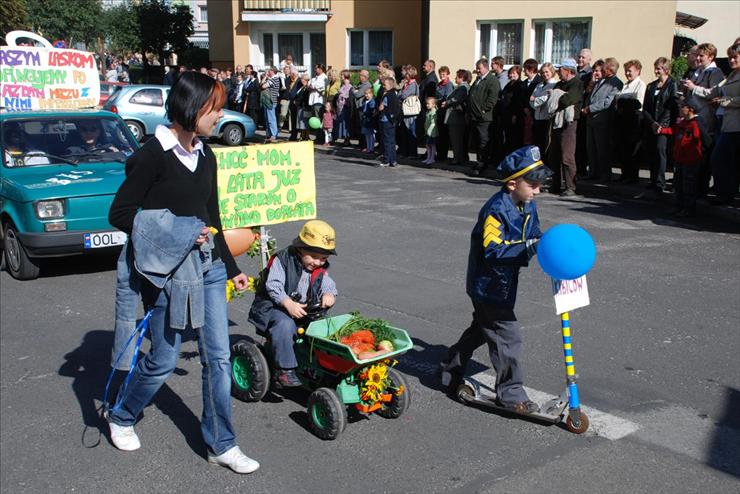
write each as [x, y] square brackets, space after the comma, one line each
[687, 145]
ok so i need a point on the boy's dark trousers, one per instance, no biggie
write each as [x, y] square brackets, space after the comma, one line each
[500, 329]
[685, 186]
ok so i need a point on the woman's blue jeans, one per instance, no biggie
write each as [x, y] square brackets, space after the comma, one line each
[213, 345]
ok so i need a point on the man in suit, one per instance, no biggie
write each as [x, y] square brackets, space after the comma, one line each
[584, 73]
[599, 110]
[251, 94]
[236, 94]
[481, 103]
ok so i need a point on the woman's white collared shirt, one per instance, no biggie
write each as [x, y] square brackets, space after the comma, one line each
[168, 141]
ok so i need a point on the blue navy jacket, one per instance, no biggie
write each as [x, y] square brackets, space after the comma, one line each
[498, 249]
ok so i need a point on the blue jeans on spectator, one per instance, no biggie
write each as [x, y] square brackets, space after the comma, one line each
[369, 134]
[389, 141]
[271, 128]
[282, 328]
[213, 346]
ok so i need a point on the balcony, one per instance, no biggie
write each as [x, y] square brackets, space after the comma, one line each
[288, 6]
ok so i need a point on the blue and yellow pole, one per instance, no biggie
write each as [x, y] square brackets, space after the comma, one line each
[570, 366]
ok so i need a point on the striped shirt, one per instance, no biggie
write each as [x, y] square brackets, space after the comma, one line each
[273, 85]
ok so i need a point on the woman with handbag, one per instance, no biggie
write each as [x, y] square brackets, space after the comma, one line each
[410, 108]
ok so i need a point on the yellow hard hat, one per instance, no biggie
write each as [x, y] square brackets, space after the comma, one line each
[318, 236]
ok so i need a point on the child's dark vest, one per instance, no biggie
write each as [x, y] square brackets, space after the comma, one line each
[259, 314]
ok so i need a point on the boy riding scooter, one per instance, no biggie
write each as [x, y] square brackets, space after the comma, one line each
[503, 240]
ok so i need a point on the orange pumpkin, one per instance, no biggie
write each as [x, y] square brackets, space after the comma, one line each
[239, 240]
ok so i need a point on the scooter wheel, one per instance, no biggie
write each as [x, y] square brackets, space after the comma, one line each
[465, 393]
[582, 425]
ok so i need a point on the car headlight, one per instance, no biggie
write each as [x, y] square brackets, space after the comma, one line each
[48, 210]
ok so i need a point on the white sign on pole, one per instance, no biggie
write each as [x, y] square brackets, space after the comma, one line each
[570, 294]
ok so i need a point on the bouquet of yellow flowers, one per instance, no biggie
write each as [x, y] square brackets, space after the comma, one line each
[375, 383]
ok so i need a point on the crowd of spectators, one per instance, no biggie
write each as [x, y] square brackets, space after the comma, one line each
[583, 116]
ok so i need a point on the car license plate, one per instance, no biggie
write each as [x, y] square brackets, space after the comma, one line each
[104, 239]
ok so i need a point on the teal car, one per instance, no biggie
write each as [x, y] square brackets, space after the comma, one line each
[60, 171]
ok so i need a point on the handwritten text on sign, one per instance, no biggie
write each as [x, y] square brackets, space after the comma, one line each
[570, 294]
[266, 184]
[35, 78]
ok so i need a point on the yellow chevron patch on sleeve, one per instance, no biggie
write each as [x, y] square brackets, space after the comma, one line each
[491, 232]
[491, 238]
[492, 222]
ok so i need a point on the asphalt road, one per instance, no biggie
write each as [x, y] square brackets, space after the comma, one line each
[657, 354]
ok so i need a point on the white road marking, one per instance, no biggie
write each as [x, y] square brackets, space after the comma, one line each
[601, 423]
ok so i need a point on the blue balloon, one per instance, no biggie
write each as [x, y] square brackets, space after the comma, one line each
[566, 252]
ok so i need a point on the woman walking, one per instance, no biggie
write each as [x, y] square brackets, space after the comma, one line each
[176, 171]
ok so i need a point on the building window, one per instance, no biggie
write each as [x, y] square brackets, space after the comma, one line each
[203, 14]
[318, 48]
[367, 47]
[291, 44]
[501, 39]
[555, 40]
[268, 49]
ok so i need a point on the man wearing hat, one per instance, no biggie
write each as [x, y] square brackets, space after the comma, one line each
[295, 278]
[562, 153]
[503, 240]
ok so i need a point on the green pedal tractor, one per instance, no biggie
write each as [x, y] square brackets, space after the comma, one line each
[335, 375]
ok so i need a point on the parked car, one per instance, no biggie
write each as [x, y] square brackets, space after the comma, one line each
[142, 108]
[107, 89]
[60, 171]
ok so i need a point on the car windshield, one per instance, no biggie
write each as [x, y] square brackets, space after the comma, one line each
[47, 141]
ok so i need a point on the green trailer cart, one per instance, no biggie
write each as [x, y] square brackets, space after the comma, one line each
[335, 376]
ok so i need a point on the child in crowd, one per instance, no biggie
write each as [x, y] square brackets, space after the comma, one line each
[327, 123]
[503, 240]
[389, 114]
[430, 130]
[367, 119]
[295, 278]
[689, 145]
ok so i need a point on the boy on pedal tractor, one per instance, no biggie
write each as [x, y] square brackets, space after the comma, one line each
[295, 279]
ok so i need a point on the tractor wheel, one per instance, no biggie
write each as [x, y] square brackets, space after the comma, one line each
[326, 413]
[400, 402]
[580, 428]
[250, 374]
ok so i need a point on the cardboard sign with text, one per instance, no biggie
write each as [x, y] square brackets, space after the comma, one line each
[570, 294]
[46, 78]
[266, 184]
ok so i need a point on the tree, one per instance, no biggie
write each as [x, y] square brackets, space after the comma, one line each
[13, 15]
[122, 30]
[163, 28]
[71, 21]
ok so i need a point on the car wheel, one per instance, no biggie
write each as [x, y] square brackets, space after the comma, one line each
[136, 129]
[17, 262]
[233, 135]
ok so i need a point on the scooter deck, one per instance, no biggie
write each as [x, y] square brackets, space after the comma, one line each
[551, 411]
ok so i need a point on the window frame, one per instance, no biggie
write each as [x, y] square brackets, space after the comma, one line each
[493, 38]
[365, 46]
[155, 103]
[548, 42]
[201, 9]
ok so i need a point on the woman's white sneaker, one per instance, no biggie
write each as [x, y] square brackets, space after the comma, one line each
[123, 437]
[234, 459]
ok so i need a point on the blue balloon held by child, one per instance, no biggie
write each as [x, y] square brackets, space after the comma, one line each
[566, 252]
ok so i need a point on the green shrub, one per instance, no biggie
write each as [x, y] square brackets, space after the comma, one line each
[679, 66]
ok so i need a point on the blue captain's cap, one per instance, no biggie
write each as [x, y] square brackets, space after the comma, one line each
[524, 162]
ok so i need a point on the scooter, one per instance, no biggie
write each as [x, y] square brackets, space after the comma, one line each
[473, 392]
